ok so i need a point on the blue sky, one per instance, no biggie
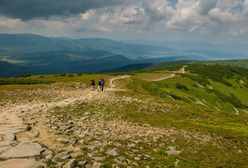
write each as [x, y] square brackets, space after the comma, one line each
[216, 21]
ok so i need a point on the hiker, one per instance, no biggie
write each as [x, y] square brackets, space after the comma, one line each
[92, 84]
[102, 84]
[99, 85]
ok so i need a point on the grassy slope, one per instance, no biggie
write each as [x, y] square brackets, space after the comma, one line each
[210, 99]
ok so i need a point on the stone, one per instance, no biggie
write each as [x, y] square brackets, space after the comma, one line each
[9, 137]
[99, 158]
[62, 140]
[49, 157]
[35, 133]
[4, 148]
[31, 149]
[19, 163]
[6, 143]
[172, 151]
[62, 156]
[112, 152]
[69, 148]
[71, 164]
[46, 152]
[82, 163]
[29, 127]
[96, 165]
[76, 154]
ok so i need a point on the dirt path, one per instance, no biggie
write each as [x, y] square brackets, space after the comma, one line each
[12, 124]
[112, 83]
[180, 71]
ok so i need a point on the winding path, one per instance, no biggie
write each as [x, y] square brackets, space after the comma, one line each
[180, 71]
[12, 123]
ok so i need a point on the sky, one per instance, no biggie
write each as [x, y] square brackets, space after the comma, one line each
[216, 21]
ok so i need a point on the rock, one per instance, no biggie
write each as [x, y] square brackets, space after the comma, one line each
[64, 128]
[62, 156]
[31, 149]
[82, 163]
[96, 165]
[69, 148]
[137, 158]
[71, 164]
[6, 143]
[176, 163]
[46, 152]
[49, 157]
[99, 158]
[76, 154]
[9, 137]
[62, 140]
[88, 166]
[112, 152]
[19, 163]
[29, 127]
[4, 148]
[35, 133]
[172, 151]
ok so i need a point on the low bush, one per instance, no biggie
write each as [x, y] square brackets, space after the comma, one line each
[182, 87]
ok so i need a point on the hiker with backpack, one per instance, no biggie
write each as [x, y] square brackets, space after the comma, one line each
[99, 85]
[102, 84]
[92, 84]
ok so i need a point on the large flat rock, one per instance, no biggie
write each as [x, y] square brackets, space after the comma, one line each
[27, 149]
[19, 163]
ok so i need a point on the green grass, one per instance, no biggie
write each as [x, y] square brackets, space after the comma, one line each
[203, 100]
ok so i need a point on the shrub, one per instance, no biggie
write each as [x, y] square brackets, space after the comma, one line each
[182, 87]
[226, 98]
[198, 79]
[218, 73]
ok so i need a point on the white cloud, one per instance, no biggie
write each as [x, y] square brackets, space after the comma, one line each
[9, 22]
[122, 15]
[87, 15]
[245, 6]
[224, 15]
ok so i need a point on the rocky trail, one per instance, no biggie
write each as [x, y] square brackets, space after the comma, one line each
[51, 134]
[23, 152]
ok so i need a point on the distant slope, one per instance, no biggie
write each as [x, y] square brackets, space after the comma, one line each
[238, 63]
[34, 54]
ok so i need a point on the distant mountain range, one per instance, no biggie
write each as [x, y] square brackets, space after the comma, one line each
[22, 54]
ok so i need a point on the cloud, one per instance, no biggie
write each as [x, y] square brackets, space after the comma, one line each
[157, 11]
[224, 15]
[87, 15]
[9, 22]
[118, 17]
[245, 6]
[124, 15]
[29, 9]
